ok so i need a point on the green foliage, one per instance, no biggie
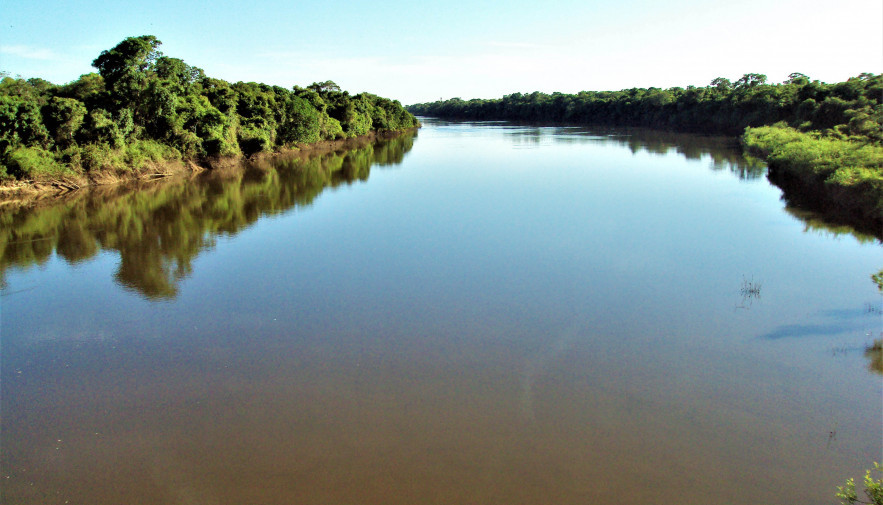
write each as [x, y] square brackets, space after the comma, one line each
[142, 153]
[837, 160]
[302, 123]
[324, 87]
[87, 89]
[217, 132]
[159, 229]
[127, 60]
[750, 81]
[98, 158]
[135, 156]
[356, 118]
[827, 137]
[330, 128]
[256, 135]
[141, 99]
[721, 107]
[31, 90]
[21, 122]
[100, 127]
[178, 72]
[873, 489]
[34, 163]
[63, 117]
[848, 172]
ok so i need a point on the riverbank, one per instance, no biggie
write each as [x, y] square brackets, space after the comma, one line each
[146, 115]
[822, 142]
[840, 177]
[50, 188]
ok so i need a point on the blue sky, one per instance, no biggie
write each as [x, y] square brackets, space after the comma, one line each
[423, 51]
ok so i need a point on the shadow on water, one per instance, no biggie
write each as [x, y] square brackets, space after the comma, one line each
[833, 322]
[161, 227]
[847, 322]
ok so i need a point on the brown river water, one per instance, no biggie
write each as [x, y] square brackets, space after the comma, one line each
[478, 313]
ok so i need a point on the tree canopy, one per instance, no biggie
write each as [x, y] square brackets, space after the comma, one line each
[142, 105]
[723, 107]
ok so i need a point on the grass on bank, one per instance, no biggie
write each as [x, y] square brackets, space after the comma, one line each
[38, 164]
[849, 169]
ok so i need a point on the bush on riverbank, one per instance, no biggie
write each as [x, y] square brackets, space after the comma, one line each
[144, 108]
[845, 173]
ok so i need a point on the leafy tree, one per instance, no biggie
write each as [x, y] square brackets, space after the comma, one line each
[63, 118]
[175, 70]
[144, 105]
[220, 94]
[256, 134]
[124, 69]
[41, 86]
[797, 78]
[21, 122]
[130, 57]
[99, 127]
[324, 87]
[89, 89]
[302, 123]
[750, 80]
[32, 90]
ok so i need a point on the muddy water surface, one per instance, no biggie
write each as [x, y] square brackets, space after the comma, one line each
[484, 313]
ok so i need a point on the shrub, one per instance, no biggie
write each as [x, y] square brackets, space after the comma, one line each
[35, 163]
[140, 154]
[873, 489]
[100, 157]
[256, 135]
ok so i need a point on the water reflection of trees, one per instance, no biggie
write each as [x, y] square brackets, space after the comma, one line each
[159, 228]
[829, 224]
[809, 206]
[724, 152]
[874, 353]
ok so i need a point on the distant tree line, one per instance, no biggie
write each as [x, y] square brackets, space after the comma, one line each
[722, 107]
[823, 142]
[143, 106]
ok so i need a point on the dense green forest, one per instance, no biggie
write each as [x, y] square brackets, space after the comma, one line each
[724, 107]
[142, 108]
[823, 142]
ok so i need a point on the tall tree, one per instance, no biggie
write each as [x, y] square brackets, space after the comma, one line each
[133, 55]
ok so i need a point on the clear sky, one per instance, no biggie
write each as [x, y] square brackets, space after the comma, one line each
[423, 51]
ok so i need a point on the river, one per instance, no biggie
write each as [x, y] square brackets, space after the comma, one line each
[481, 313]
